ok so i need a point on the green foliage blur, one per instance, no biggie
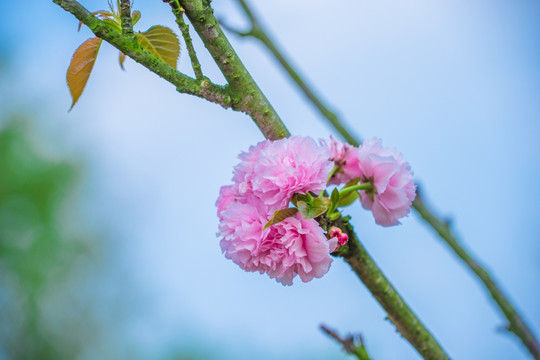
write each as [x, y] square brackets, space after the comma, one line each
[61, 295]
[34, 252]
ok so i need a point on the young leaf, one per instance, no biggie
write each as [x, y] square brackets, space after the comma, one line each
[81, 66]
[280, 215]
[349, 198]
[115, 25]
[314, 208]
[121, 59]
[135, 17]
[161, 42]
[304, 209]
[334, 198]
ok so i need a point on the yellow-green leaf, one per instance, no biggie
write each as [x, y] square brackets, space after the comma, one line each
[81, 66]
[350, 197]
[114, 24]
[280, 215]
[161, 42]
[334, 198]
[135, 17]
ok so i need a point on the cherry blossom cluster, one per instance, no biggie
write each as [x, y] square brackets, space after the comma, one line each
[393, 188]
[270, 217]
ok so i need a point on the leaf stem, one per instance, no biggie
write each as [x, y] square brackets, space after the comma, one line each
[364, 186]
[184, 28]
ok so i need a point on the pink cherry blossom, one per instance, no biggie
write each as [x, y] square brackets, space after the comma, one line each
[295, 246]
[392, 179]
[345, 157]
[227, 194]
[274, 171]
[244, 171]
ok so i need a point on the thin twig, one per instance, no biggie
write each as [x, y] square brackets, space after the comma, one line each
[125, 18]
[184, 28]
[246, 94]
[352, 344]
[517, 324]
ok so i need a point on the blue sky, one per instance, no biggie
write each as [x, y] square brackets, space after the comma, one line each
[454, 85]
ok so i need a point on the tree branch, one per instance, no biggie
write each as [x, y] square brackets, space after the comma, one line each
[184, 84]
[184, 28]
[246, 95]
[517, 324]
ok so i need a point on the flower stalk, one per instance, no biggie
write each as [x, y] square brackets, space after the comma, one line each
[363, 186]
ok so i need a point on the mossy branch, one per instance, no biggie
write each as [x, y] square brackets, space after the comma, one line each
[184, 28]
[516, 323]
[183, 83]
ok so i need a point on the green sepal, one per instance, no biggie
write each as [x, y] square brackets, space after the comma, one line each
[341, 251]
[334, 216]
[352, 182]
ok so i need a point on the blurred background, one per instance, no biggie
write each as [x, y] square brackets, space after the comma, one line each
[107, 219]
